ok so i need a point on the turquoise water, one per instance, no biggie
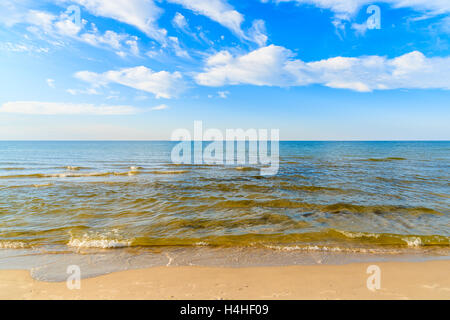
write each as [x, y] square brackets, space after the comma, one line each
[335, 195]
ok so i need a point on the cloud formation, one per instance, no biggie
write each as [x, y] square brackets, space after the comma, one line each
[162, 84]
[276, 66]
[347, 8]
[50, 83]
[217, 10]
[62, 26]
[142, 14]
[223, 13]
[54, 108]
[161, 107]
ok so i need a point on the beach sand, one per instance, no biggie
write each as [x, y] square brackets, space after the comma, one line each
[399, 280]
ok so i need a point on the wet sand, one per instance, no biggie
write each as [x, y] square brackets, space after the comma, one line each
[399, 280]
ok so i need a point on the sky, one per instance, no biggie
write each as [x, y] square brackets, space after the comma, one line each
[140, 69]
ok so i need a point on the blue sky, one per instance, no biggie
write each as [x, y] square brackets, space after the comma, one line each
[139, 69]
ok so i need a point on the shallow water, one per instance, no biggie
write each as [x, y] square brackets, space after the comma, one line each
[339, 196]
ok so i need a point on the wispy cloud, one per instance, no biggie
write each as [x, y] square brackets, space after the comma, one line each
[88, 91]
[179, 21]
[121, 43]
[223, 13]
[217, 10]
[142, 14]
[347, 8]
[162, 84]
[223, 94]
[54, 108]
[161, 107]
[61, 27]
[51, 83]
[22, 47]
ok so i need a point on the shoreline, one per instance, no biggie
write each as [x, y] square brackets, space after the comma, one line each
[50, 264]
[399, 280]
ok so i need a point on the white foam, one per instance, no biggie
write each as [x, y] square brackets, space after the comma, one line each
[106, 240]
[11, 245]
[327, 249]
[77, 175]
[42, 185]
[350, 234]
[413, 241]
[98, 243]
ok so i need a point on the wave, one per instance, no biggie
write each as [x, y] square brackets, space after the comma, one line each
[13, 245]
[98, 243]
[168, 171]
[388, 159]
[377, 209]
[330, 208]
[332, 240]
[103, 241]
[327, 238]
[203, 165]
[42, 185]
[70, 175]
[323, 248]
[270, 219]
[293, 187]
[73, 168]
[413, 241]
[245, 168]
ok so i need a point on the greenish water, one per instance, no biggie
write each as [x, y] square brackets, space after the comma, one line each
[342, 196]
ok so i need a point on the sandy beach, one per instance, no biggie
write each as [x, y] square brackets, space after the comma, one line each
[399, 280]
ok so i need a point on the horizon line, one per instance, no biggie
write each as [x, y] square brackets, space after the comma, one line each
[287, 140]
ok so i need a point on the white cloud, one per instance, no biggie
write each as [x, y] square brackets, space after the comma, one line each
[109, 38]
[217, 10]
[175, 45]
[41, 19]
[22, 47]
[54, 108]
[62, 26]
[134, 48]
[89, 91]
[223, 94]
[51, 83]
[122, 43]
[66, 27]
[360, 28]
[223, 13]
[162, 84]
[12, 11]
[344, 9]
[161, 107]
[42, 22]
[257, 32]
[142, 14]
[264, 66]
[275, 66]
[180, 22]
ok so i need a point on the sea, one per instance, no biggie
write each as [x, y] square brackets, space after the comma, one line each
[116, 205]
